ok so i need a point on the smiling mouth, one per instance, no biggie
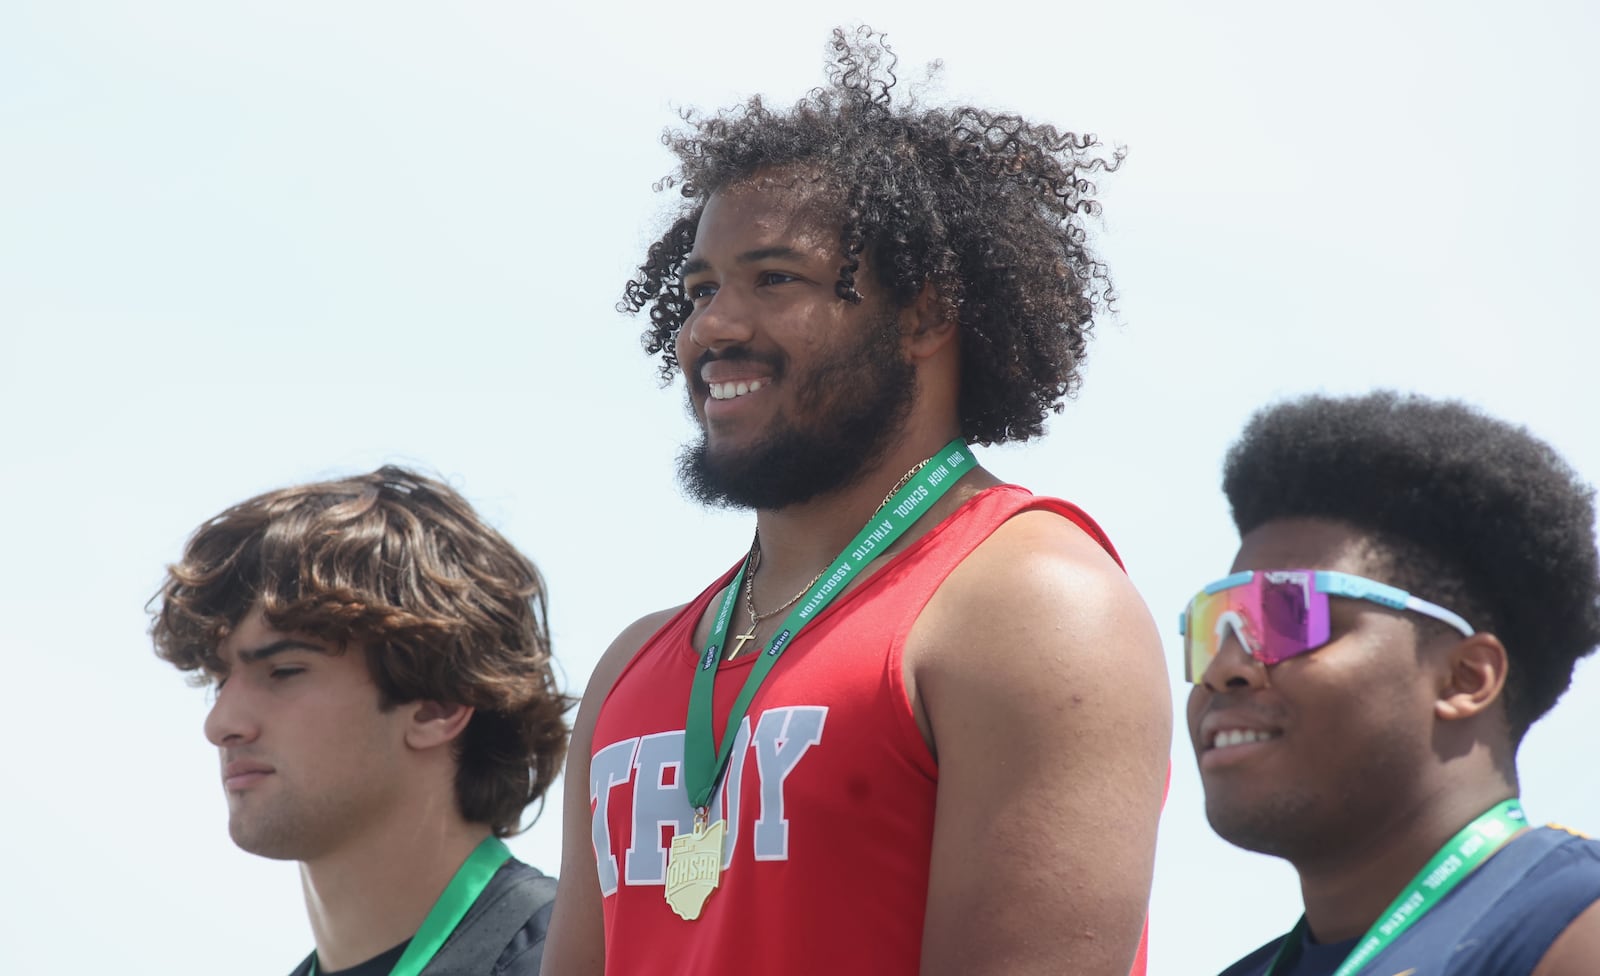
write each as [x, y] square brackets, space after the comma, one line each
[738, 388]
[1238, 737]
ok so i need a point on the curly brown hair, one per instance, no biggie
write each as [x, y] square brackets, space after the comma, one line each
[987, 206]
[446, 609]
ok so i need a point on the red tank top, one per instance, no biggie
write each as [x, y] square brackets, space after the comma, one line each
[828, 794]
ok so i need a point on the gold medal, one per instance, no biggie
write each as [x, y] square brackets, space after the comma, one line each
[694, 866]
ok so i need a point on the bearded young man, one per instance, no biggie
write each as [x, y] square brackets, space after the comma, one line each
[949, 745]
[1414, 583]
[384, 712]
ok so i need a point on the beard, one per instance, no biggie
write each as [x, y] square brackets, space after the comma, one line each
[851, 405]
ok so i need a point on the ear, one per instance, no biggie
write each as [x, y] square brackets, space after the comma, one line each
[432, 724]
[928, 324]
[1475, 676]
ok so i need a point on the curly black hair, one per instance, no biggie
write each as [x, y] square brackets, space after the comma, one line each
[987, 206]
[1468, 511]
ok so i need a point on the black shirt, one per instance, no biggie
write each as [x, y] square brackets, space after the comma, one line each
[379, 965]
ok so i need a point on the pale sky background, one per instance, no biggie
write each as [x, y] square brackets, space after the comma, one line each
[249, 244]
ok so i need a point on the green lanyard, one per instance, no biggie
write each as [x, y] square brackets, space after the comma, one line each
[703, 764]
[1455, 860]
[469, 881]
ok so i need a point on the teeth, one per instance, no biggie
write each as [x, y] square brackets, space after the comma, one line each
[1235, 737]
[727, 391]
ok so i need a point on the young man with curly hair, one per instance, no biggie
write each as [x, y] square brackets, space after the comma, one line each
[384, 712]
[1414, 583]
[922, 725]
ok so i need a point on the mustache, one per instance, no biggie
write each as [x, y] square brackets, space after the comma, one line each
[734, 354]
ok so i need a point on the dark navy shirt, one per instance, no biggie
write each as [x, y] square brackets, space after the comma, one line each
[1499, 921]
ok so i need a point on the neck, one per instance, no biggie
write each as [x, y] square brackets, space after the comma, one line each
[1349, 887]
[799, 540]
[373, 893]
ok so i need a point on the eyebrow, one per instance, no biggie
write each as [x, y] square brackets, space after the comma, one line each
[278, 647]
[697, 265]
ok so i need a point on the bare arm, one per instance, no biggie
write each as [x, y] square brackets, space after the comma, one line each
[576, 943]
[1576, 949]
[1041, 678]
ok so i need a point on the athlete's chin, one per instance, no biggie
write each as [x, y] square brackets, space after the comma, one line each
[718, 481]
[758, 477]
[1263, 825]
[266, 837]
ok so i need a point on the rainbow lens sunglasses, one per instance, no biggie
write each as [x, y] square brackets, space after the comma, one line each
[1278, 613]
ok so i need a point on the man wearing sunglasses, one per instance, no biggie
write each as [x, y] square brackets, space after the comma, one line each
[1414, 583]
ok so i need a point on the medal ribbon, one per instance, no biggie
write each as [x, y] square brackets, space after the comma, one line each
[469, 881]
[1455, 860]
[703, 763]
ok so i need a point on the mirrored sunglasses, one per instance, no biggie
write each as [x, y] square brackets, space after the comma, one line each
[1279, 613]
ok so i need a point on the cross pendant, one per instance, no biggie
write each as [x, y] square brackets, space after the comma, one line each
[741, 638]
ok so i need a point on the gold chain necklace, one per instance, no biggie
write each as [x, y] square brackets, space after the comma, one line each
[755, 563]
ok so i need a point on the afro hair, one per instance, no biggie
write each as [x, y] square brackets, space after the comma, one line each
[1476, 514]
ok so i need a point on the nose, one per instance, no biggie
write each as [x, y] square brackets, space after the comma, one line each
[231, 721]
[721, 321]
[1232, 668]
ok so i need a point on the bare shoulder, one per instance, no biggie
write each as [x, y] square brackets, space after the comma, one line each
[1039, 609]
[1576, 949]
[1038, 674]
[1039, 577]
[1040, 533]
